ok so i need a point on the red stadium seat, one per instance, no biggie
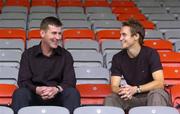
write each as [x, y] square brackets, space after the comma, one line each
[96, 4]
[137, 16]
[147, 24]
[175, 94]
[159, 45]
[34, 34]
[43, 3]
[116, 3]
[171, 59]
[24, 3]
[69, 3]
[6, 92]
[107, 34]
[93, 94]
[171, 75]
[125, 10]
[78, 34]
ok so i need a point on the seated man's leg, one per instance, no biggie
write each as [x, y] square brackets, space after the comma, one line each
[21, 98]
[115, 100]
[69, 98]
[158, 97]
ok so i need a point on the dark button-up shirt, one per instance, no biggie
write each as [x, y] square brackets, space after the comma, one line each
[37, 69]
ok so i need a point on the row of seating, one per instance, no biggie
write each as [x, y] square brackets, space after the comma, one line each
[91, 94]
[90, 110]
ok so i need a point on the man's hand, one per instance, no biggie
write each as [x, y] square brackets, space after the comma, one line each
[47, 92]
[127, 92]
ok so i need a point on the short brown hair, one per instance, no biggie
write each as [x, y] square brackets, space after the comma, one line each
[135, 28]
[50, 21]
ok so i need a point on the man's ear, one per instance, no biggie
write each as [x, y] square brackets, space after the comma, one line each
[42, 33]
[136, 36]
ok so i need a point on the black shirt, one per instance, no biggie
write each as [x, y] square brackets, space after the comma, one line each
[138, 70]
[39, 70]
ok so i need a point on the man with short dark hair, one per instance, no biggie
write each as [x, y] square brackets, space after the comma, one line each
[141, 68]
[46, 74]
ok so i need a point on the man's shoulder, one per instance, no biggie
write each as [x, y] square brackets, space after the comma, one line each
[148, 50]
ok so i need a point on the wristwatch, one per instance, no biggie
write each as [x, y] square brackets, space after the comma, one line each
[138, 89]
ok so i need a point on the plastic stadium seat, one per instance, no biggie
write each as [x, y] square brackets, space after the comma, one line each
[172, 4]
[15, 9]
[137, 16]
[12, 44]
[125, 10]
[72, 16]
[76, 24]
[70, 9]
[42, 9]
[8, 75]
[159, 45]
[161, 17]
[147, 24]
[87, 58]
[171, 75]
[108, 46]
[92, 75]
[43, 3]
[12, 34]
[15, 24]
[108, 34]
[98, 110]
[34, 34]
[6, 94]
[34, 24]
[1, 4]
[69, 3]
[6, 110]
[94, 9]
[168, 25]
[10, 56]
[177, 46]
[93, 94]
[142, 4]
[43, 109]
[116, 3]
[24, 3]
[171, 59]
[78, 34]
[175, 96]
[33, 42]
[152, 10]
[13, 16]
[96, 4]
[108, 58]
[101, 16]
[153, 110]
[173, 36]
[174, 10]
[83, 44]
[106, 24]
[40, 16]
[153, 34]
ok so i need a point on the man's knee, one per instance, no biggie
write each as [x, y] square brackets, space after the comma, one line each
[159, 97]
[21, 93]
[71, 92]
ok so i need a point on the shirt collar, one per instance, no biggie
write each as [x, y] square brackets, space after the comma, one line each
[38, 51]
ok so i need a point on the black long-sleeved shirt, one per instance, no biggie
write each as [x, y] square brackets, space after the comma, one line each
[39, 70]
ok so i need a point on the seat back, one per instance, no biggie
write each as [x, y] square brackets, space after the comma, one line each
[6, 110]
[153, 110]
[98, 110]
[43, 109]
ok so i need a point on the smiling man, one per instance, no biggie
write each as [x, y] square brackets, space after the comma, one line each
[141, 68]
[46, 74]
